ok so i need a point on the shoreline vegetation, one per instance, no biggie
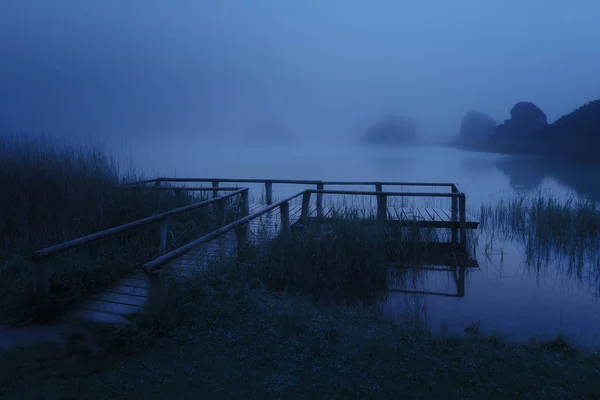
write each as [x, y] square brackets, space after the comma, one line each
[268, 326]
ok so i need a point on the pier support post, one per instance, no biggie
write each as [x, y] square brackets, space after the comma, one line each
[381, 207]
[305, 207]
[454, 216]
[269, 192]
[157, 293]
[41, 277]
[245, 198]
[162, 233]
[320, 186]
[222, 212]
[284, 210]
[462, 205]
[241, 237]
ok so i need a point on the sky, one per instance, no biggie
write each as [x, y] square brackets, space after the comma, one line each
[136, 67]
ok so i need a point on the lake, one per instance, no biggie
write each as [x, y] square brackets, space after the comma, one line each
[503, 296]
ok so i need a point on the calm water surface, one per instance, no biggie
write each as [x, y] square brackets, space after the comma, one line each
[503, 296]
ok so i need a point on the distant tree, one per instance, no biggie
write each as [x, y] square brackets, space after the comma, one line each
[518, 134]
[575, 135]
[475, 128]
[392, 130]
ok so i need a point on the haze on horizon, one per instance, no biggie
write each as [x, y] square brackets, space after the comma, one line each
[160, 67]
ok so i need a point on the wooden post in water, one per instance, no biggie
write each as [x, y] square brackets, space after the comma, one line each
[241, 237]
[245, 203]
[381, 207]
[269, 192]
[284, 210]
[157, 293]
[320, 186]
[163, 229]
[454, 215]
[222, 212]
[305, 208]
[462, 200]
[460, 282]
[41, 277]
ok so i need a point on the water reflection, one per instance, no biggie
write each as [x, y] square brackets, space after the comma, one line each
[529, 171]
[406, 280]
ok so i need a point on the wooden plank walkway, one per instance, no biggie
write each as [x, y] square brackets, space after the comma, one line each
[129, 296]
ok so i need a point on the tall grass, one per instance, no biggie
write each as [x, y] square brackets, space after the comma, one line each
[345, 259]
[561, 232]
[53, 192]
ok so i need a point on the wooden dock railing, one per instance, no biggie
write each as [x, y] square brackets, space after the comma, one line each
[154, 269]
[320, 185]
[157, 296]
[458, 210]
[41, 269]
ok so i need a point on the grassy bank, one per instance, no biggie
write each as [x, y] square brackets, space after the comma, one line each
[53, 192]
[230, 337]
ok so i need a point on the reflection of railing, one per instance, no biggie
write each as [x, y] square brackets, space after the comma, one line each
[458, 274]
[42, 272]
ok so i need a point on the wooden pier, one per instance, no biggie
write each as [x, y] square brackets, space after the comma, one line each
[144, 291]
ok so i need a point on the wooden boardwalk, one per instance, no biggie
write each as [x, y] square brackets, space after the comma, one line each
[144, 291]
[129, 296]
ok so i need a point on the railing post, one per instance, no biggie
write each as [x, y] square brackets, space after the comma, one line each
[222, 211]
[320, 186]
[305, 207]
[463, 221]
[157, 293]
[378, 187]
[163, 229]
[241, 237]
[381, 207]
[245, 203]
[284, 210]
[215, 184]
[41, 277]
[269, 192]
[454, 215]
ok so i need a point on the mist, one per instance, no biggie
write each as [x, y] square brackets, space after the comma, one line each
[324, 69]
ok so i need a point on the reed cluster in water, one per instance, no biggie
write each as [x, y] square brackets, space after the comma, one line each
[562, 232]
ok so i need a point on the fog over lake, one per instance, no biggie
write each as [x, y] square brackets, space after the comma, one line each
[268, 89]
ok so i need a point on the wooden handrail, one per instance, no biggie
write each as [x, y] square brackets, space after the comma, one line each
[159, 262]
[197, 189]
[48, 251]
[241, 180]
[392, 194]
[300, 182]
